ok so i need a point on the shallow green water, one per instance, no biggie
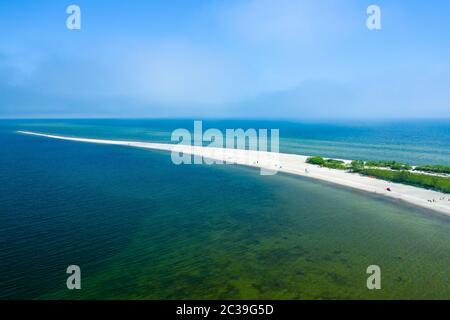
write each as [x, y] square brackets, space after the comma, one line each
[142, 228]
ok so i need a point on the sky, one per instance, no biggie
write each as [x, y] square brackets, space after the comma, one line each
[280, 59]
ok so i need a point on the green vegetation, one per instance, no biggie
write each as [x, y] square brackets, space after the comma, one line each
[335, 164]
[399, 172]
[357, 165]
[434, 169]
[415, 179]
[327, 163]
[316, 160]
[394, 165]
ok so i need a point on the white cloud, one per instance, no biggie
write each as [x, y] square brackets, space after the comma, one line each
[180, 72]
[252, 58]
[291, 23]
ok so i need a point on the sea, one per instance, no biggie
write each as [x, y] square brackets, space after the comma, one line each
[140, 227]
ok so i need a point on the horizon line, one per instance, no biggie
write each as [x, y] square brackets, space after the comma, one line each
[233, 118]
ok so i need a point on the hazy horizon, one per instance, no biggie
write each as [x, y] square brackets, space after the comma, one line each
[267, 59]
[206, 118]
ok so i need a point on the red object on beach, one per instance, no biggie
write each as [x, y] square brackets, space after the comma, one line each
[388, 189]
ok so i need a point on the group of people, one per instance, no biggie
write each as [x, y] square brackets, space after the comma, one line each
[441, 199]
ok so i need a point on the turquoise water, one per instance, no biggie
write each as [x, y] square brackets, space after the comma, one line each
[416, 142]
[140, 227]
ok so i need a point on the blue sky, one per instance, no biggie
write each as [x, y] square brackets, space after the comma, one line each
[292, 59]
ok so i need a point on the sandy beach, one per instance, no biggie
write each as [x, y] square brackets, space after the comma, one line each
[293, 164]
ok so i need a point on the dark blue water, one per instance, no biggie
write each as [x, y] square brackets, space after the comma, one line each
[140, 227]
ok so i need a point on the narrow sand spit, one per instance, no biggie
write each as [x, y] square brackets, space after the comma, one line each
[293, 164]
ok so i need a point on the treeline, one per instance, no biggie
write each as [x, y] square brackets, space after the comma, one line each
[327, 163]
[394, 165]
[399, 172]
[434, 169]
[406, 177]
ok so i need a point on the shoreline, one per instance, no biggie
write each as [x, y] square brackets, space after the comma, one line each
[291, 164]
